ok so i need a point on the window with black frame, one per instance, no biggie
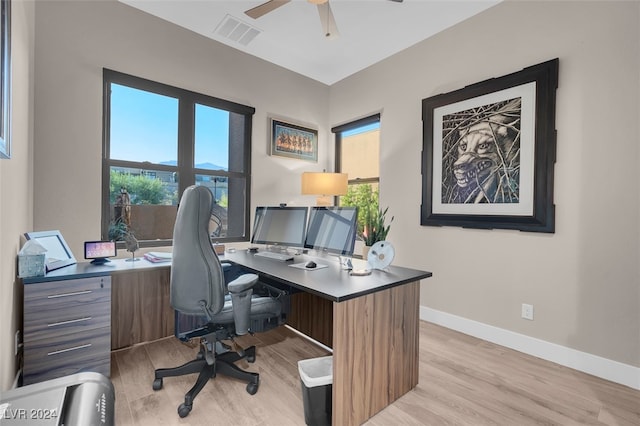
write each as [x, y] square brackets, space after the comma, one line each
[160, 139]
[358, 155]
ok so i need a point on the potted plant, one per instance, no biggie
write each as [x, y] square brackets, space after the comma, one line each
[374, 228]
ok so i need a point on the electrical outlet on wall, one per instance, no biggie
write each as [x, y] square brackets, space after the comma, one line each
[527, 311]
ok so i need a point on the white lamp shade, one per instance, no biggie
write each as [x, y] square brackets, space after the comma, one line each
[324, 183]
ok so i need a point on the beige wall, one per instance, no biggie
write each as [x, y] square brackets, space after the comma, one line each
[583, 280]
[16, 185]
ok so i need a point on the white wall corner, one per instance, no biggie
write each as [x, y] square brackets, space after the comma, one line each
[604, 368]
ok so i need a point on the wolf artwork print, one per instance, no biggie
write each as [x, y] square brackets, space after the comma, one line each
[489, 151]
[481, 154]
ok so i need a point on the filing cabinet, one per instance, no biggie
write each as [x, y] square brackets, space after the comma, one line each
[67, 327]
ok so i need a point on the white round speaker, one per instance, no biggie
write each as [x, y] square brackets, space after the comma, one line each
[381, 255]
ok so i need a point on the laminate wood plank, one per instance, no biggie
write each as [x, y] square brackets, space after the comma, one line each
[462, 381]
[123, 415]
[158, 409]
[136, 372]
[527, 388]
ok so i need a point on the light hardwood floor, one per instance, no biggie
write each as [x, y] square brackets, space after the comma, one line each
[463, 380]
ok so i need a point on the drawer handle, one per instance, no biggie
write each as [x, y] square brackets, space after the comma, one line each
[55, 324]
[75, 348]
[75, 293]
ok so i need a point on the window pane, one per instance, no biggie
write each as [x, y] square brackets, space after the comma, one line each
[211, 138]
[144, 126]
[365, 197]
[142, 202]
[359, 149]
[360, 152]
[157, 133]
[229, 208]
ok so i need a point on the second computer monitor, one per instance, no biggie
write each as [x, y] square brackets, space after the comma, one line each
[332, 229]
[280, 226]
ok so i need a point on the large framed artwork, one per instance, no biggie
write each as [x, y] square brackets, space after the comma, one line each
[489, 152]
[5, 79]
[293, 141]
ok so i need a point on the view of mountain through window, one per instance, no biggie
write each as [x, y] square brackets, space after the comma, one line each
[159, 140]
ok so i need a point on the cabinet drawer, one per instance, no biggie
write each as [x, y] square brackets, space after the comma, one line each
[67, 293]
[50, 358]
[54, 323]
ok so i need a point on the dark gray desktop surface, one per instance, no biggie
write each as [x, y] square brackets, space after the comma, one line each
[333, 282]
[88, 270]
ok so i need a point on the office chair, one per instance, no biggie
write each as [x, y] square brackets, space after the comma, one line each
[198, 290]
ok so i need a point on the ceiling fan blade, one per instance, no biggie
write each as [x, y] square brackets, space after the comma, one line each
[327, 20]
[265, 8]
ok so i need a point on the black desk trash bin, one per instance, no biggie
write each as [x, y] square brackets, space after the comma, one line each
[316, 379]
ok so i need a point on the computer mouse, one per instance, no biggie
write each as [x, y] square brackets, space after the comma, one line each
[310, 264]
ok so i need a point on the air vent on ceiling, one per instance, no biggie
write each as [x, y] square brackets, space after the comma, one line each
[237, 31]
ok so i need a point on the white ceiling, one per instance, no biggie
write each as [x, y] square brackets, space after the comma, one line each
[291, 36]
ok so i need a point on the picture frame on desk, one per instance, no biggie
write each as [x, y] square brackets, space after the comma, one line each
[293, 141]
[489, 152]
[58, 254]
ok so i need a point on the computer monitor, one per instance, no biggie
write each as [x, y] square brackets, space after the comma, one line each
[280, 226]
[332, 229]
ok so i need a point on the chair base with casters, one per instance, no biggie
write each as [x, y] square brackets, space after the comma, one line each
[214, 358]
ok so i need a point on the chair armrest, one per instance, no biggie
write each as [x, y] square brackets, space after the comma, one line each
[242, 283]
[241, 290]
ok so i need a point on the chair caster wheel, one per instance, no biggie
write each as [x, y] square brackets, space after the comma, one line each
[252, 388]
[184, 410]
[251, 358]
[157, 384]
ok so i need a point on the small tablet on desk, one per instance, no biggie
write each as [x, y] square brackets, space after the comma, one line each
[99, 251]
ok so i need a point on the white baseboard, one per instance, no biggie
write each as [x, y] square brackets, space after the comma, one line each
[592, 364]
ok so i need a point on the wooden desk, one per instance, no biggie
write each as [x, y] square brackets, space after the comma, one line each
[370, 322]
[374, 328]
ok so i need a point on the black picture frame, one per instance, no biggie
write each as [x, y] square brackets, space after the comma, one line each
[5, 79]
[489, 152]
[293, 141]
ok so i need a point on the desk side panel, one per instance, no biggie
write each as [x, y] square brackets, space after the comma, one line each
[375, 359]
[140, 307]
[313, 316]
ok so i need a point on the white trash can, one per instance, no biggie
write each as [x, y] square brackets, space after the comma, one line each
[316, 379]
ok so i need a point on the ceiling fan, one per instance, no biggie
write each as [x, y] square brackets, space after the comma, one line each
[324, 10]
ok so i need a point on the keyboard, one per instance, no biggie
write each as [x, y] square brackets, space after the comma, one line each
[275, 256]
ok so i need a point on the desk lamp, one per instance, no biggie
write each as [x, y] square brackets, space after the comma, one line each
[324, 185]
